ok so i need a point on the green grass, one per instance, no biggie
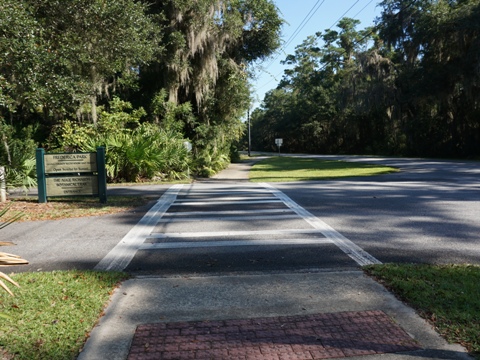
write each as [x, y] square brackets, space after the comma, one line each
[244, 157]
[448, 296]
[52, 313]
[281, 169]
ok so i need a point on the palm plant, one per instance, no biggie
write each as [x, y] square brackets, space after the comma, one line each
[23, 175]
[146, 152]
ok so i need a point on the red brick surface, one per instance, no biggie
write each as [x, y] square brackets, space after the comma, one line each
[318, 336]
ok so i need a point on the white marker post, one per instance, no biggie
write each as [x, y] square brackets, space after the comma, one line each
[279, 143]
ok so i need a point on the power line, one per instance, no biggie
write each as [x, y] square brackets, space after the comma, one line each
[345, 13]
[358, 13]
[272, 79]
[305, 23]
[299, 28]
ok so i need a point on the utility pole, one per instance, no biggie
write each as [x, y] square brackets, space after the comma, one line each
[249, 133]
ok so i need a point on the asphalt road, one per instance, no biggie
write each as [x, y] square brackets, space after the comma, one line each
[428, 212]
[236, 227]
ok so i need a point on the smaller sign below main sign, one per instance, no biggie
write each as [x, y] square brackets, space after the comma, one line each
[72, 185]
[70, 163]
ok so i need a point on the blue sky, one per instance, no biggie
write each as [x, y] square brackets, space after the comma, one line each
[323, 14]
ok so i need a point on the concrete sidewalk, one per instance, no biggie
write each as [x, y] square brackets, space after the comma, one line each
[290, 315]
[237, 171]
[162, 301]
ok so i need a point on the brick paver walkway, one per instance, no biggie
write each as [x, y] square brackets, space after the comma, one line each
[318, 336]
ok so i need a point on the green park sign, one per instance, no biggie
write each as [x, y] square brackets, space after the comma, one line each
[70, 163]
[71, 174]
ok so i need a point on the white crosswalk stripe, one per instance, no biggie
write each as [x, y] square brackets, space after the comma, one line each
[145, 237]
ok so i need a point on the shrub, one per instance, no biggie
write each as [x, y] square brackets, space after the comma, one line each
[17, 154]
[135, 151]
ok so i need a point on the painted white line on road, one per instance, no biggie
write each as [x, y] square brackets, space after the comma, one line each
[121, 255]
[229, 218]
[348, 247]
[208, 244]
[195, 203]
[200, 192]
[232, 233]
[227, 212]
[226, 198]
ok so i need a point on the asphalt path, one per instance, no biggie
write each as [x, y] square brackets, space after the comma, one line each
[426, 213]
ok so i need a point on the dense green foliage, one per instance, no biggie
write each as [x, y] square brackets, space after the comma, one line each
[408, 86]
[179, 70]
[208, 47]
[136, 151]
[181, 64]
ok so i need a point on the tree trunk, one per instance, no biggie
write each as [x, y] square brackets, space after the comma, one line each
[7, 148]
[93, 97]
[93, 102]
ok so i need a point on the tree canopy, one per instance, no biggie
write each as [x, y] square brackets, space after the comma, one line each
[408, 85]
[184, 62]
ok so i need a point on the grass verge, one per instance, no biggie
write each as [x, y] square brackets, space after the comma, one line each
[71, 207]
[244, 157]
[445, 295]
[282, 169]
[52, 313]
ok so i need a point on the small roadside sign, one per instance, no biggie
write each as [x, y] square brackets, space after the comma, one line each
[71, 174]
[279, 142]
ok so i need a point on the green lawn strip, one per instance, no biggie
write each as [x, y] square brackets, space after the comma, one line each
[52, 313]
[282, 169]
[446, 295]
[244, 157]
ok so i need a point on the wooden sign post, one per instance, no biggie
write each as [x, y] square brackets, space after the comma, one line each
[71, 174]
